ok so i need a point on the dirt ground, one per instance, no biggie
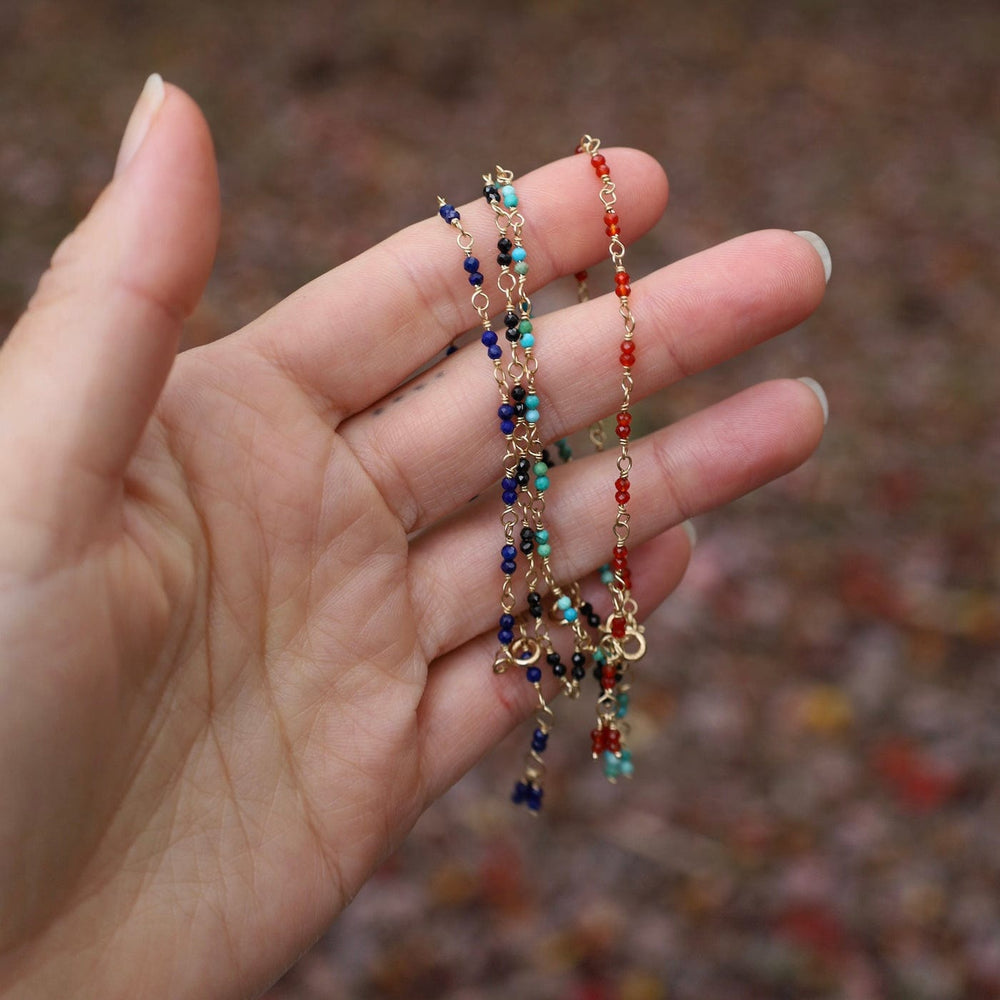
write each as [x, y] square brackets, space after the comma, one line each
[817, 725]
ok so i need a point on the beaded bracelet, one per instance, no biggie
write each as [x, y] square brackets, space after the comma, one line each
[623, 624]
[524, 639]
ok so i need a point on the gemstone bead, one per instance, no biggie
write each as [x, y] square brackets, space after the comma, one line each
[524, 326]
[506, 427]
[448, 213]
[544, 550]
[542, 484]
[534, 675]
[521, 268]
[527, 340]
[475, 279]
[570, 614]
[489, 338]
[623, 291]
[505, 636]
[519, 253]
[494, 352]
[508, 566]
[509, 497]
[564, 602]
[491, 193]
[518, 394]
[471, 264]
[505, 411]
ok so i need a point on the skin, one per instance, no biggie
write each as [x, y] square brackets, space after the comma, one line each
[246, 609]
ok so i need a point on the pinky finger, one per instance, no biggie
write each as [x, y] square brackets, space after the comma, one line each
[467, 709]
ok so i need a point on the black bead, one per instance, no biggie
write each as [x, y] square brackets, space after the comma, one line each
[522, 478]
[520, 409]
[504, 245]
[527, 532]
[579, 673]
[504, 259]
[518, 395]
[593, 620]
[491, 193]
[513, 334]
[523, 464]
[579, 659]
[511, 318]
[534, 597]
[586, 609]
[527, 545]
[552, 659]
[559, 669]
[535, 610]
[597, 672]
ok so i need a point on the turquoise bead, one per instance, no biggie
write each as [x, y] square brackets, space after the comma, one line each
[627, 768]
[527, 340]
[599, 655]
[507, 189]
[612, 765]
[541, 536]
[510, 200]
[563, 603]
[544, 550]
[524, 327]
[542, 484]
[607, 576]
[532, 416]
[531, 402]
[570, 614]
[518, 253]
[540, 469]
[521, 268]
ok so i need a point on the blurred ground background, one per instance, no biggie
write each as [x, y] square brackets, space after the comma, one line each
[816, 809]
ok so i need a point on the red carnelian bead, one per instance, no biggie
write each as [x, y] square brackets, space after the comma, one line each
[626, 360]
[603, 170]
[622, 278]
[624, 417]
[618, 628]
[621, 483]
[622, 496]
[613, 230]
[623, 431]
[622, 291]
[598, 159]
[611, 218]
[580, 275]
[628, 347]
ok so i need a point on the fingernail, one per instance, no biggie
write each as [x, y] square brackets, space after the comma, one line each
[139, 121]
[821, 248]
[691, 531]
[820, 395]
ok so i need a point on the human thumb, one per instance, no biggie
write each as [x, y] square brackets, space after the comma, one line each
[81, 371]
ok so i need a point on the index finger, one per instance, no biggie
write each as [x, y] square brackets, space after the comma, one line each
[353, 334]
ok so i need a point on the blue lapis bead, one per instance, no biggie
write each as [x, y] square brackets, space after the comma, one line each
[509, 497]
[471, 264]
[448, 213]
[534, 801]
[489, 338]
[520, 793]
[506, 427]
[508, 566]
[519, 253]
[507, 484]
[506, 411]
[506, 621]
[505, 636]
[475, 279]
[538, 746]
[494, 352]
[534, 674]
[509, 552]
[450, 349]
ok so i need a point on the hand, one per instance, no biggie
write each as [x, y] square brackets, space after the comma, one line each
[247, 613]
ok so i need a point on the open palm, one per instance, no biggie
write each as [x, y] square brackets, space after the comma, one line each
[247, 612]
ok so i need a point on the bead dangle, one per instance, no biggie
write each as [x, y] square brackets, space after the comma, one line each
[524, 639]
